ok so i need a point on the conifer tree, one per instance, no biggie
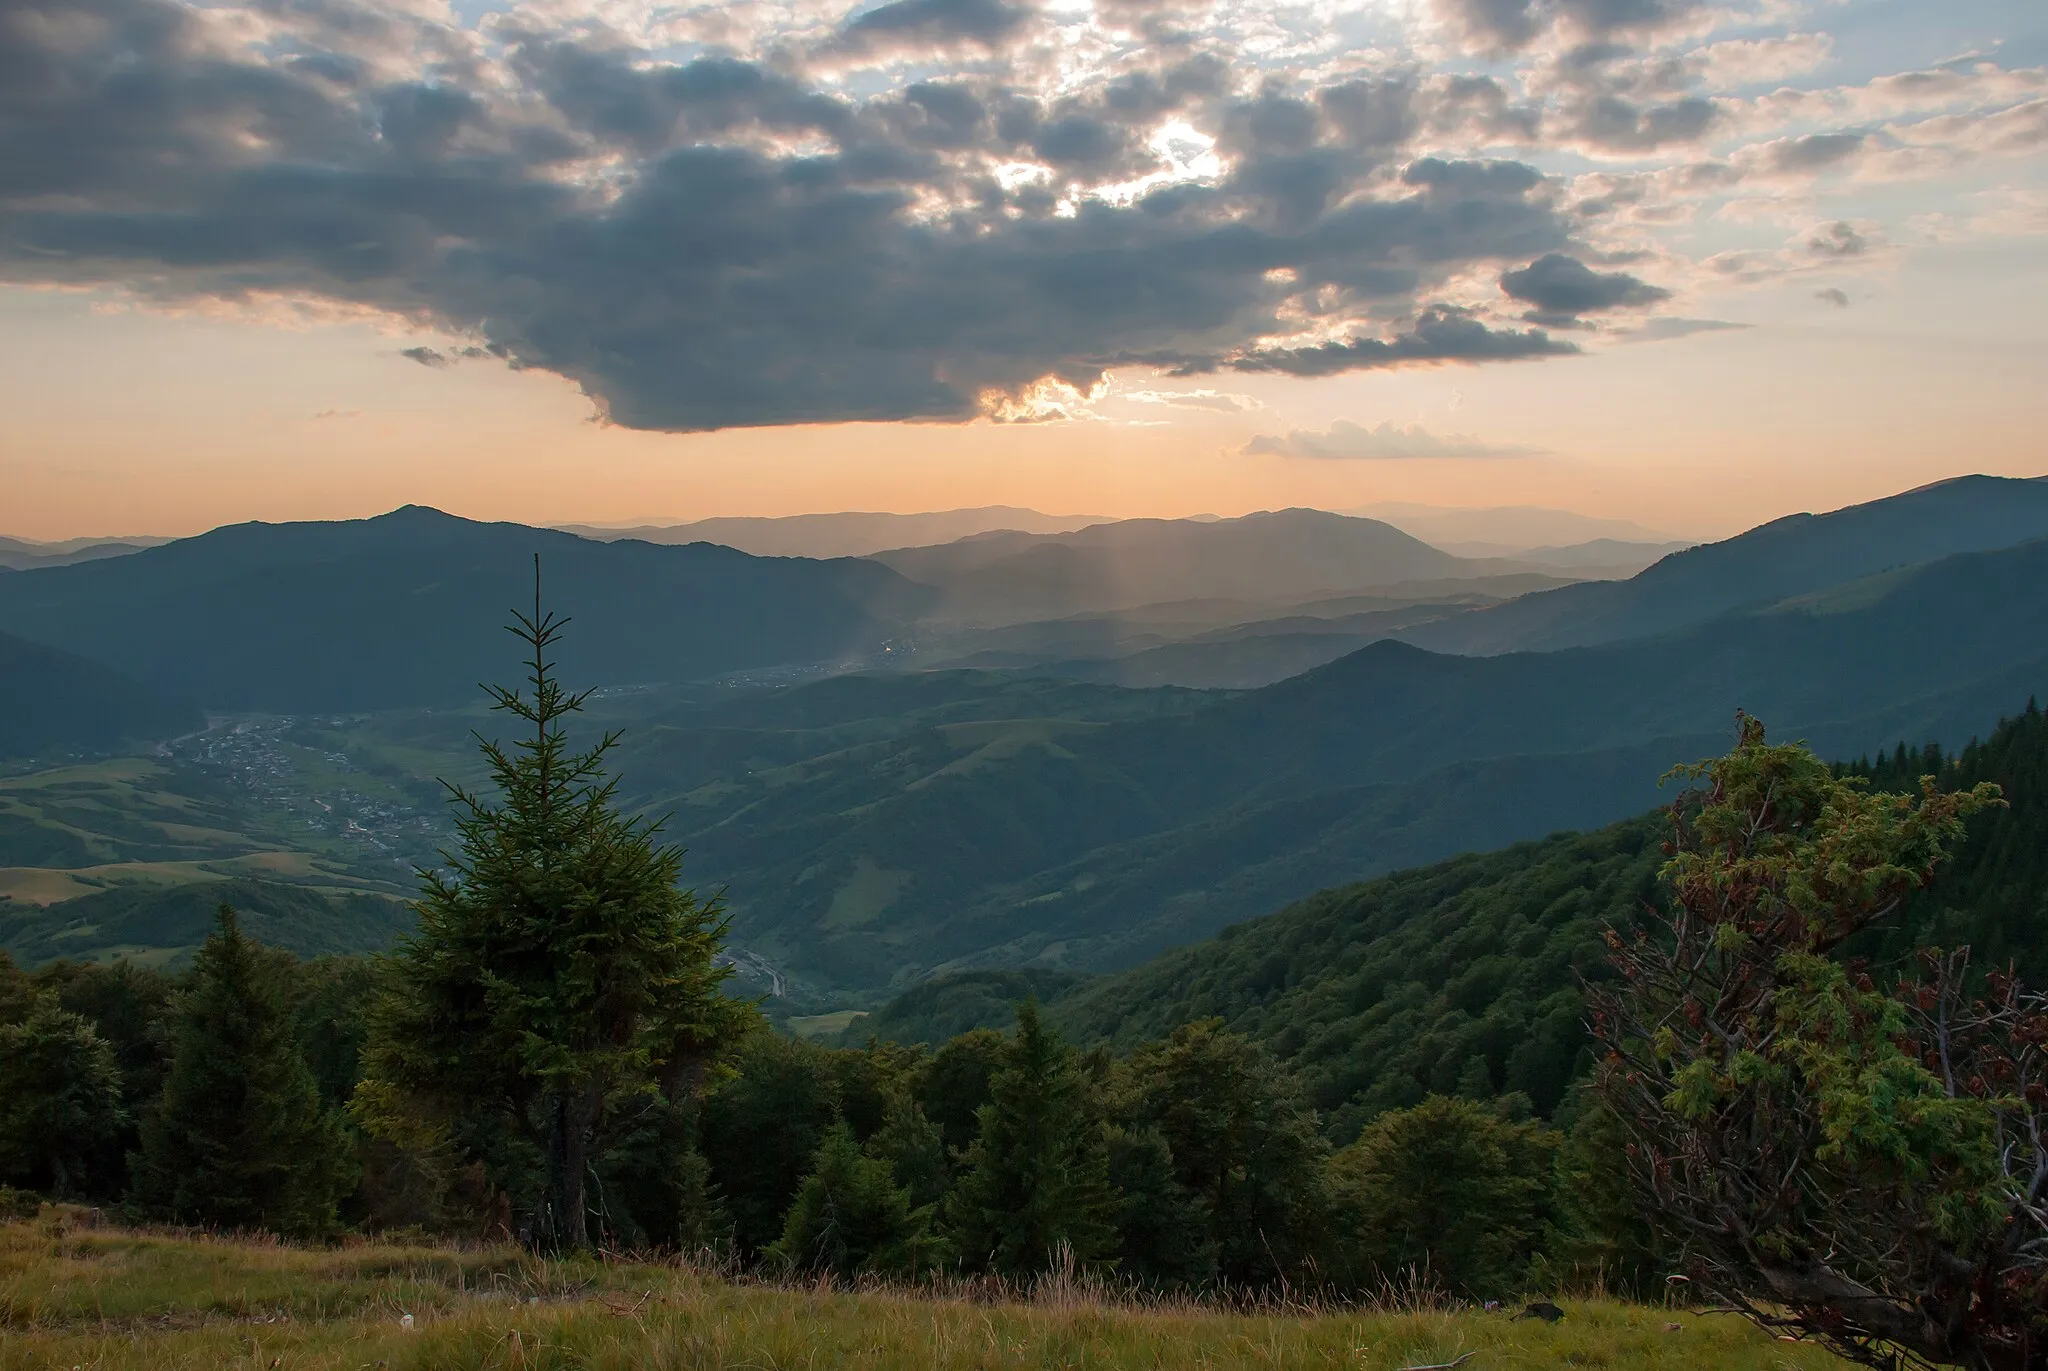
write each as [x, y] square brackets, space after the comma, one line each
[60, 1100]
[850, 1217]
[1035, 1180]
[561, 987]
[239, 1139]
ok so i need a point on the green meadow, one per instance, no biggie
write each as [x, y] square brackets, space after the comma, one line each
[118, 1300]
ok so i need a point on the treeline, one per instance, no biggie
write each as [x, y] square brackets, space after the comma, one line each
[223, 1097]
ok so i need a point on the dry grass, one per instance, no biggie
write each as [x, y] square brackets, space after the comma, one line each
[112, 1300]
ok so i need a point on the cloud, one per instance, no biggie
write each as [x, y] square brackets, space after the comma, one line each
[1838, 240]
[1506, 26]
[1833, 295]
[1666, 329]
[1347, 441]
[1562, 288]
[723, 241]
[1191, 399]
[338, 414]
[1441, 334]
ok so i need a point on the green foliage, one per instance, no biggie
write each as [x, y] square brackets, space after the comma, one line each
[944, 1007]
[915, 1149]
[1241, 1147]
[560, 986]
[1993, 893]
[850, 1217]
[1603, 1237]
[1377, 995]
[1449, 1194]
[957, 1082]
[762, 1127]
[239, 1139]
[60, 1101]
[1740, 1053]
[1164, 1231]
[1034, 1185]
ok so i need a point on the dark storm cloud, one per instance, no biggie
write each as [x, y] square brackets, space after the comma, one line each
[753, 250]
[1440, 334]
[936, 23]
[1502, 26]
[1562, 288]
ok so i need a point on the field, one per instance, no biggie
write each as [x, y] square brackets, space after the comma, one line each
[114, 1300]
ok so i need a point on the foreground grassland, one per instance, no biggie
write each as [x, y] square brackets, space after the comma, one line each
[109, 1300]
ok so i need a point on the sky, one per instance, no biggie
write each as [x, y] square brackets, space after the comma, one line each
[1689, 263]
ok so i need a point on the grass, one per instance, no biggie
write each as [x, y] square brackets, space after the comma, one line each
[111, 1300]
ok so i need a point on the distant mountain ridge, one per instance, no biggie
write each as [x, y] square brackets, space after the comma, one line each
[844, 534]
[1786, 557]
[1277, 555]
[409, 607]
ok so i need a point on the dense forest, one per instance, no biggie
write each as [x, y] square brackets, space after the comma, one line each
[1383, 1078]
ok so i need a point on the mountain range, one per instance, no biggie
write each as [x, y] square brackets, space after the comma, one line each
[875, 829]
[409, 608]
[850, 534]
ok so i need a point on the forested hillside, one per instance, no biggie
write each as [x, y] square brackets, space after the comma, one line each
[1466, 977]
[52, 701]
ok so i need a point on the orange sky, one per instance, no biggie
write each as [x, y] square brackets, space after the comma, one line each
[114, 420]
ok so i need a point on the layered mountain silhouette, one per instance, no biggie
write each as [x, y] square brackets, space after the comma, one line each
[849, 534]
[408, 608]
[1786, 557]
[1285, 555]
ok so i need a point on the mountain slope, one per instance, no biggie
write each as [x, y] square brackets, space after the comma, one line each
[52, 701]
[1288, 554]
[1378, 993]
[1795, 555]
[408, 607]
[846, 534]
[1090, 844]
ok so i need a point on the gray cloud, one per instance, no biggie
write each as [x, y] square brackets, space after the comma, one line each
[1441, 334]
[1561, 288]
[938, 22]
[1666, 329]
[1839, 239]
[1504, 26]
[1347, 441]
[1833, 295]
[425, 356]
[760, 250]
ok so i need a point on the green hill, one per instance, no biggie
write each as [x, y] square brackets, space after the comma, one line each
[1465, 977]
[1089, 843]
[155, 924]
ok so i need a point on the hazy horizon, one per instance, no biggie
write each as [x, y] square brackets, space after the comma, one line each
[1686, 264]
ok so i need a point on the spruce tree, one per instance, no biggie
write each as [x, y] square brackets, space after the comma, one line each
[1036, 1179]
[239, 1139]
[850, 1217]
[60, 1100]
[561, 987]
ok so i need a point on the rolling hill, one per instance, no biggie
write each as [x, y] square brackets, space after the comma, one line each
[408, 608]
[848, 534]
[1088, 844]
[53, 701]
[1291, 554]
[1792, 556]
